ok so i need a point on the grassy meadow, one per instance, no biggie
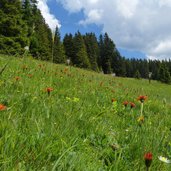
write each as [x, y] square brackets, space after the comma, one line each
[61, 118]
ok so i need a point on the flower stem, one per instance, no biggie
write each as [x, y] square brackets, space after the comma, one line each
[141, 109]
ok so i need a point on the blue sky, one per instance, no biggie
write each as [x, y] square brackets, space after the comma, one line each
[70, 24]
[69, 21]
[139, 28]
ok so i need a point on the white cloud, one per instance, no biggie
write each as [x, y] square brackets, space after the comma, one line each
[49, 18]
[126, 8]
[71, 5]
[93, 16]
[162, 49]
[141, 25]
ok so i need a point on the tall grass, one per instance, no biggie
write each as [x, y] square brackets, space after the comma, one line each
[77, 126]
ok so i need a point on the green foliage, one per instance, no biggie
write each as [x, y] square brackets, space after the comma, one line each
[28, 16]
[58, 49]
[69, 46]
[80, 54]
[106, 53]
[137, 75]
[13, 30]
[92, 50]
[21, 24]
[41, 40]
[164, 75]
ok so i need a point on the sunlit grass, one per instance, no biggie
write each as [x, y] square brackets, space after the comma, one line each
[76, 126]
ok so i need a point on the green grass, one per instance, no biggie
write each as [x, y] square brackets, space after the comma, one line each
[76, 126]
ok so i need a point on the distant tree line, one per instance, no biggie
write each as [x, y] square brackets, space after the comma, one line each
[22, 24]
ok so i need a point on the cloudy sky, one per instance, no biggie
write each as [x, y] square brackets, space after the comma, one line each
[139, 28]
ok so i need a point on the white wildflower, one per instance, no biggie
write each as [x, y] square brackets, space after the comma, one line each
[164, 159]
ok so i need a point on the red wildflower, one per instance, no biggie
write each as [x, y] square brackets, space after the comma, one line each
[2, 107]
[142, 98]
[148, 159]
[49, 89]
[125, 103]
[132, 105]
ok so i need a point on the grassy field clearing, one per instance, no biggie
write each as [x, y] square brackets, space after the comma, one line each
[55, 117]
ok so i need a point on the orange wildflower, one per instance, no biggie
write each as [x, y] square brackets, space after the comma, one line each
[49, 89]
[132, 105]
[125, 103]
[148, 159]
[2, 107]
[142, 98]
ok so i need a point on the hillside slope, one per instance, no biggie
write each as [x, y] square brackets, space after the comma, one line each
[55, 117]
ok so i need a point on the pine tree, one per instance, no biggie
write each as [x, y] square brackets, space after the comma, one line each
[69, 47]
[92, 50]
[164, 75]
[117, 62]
[41, 39]
[143, 68]
[58, 49]
[80, 54]
[28, 16]
[101, 52]
[106, 53]
[13, 30]
[121, 67]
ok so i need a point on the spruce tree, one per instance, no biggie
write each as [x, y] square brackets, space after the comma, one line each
[41, 39]
[80, 54]
[101, 52]
[164, 75]
[106, 53]
[117, 63]
[13, 30]
[92, 50]
[28, 16]
[58, 49]
[69, 47]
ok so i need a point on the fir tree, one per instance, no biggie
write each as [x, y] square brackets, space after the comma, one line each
[106, 53]
[164, 75]
[41, 39]
[80, 54]
[101, 52]
[69, 47]
[28, 16]
[117, 62]
[58, 49]
[92, 50]
[13, 30]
